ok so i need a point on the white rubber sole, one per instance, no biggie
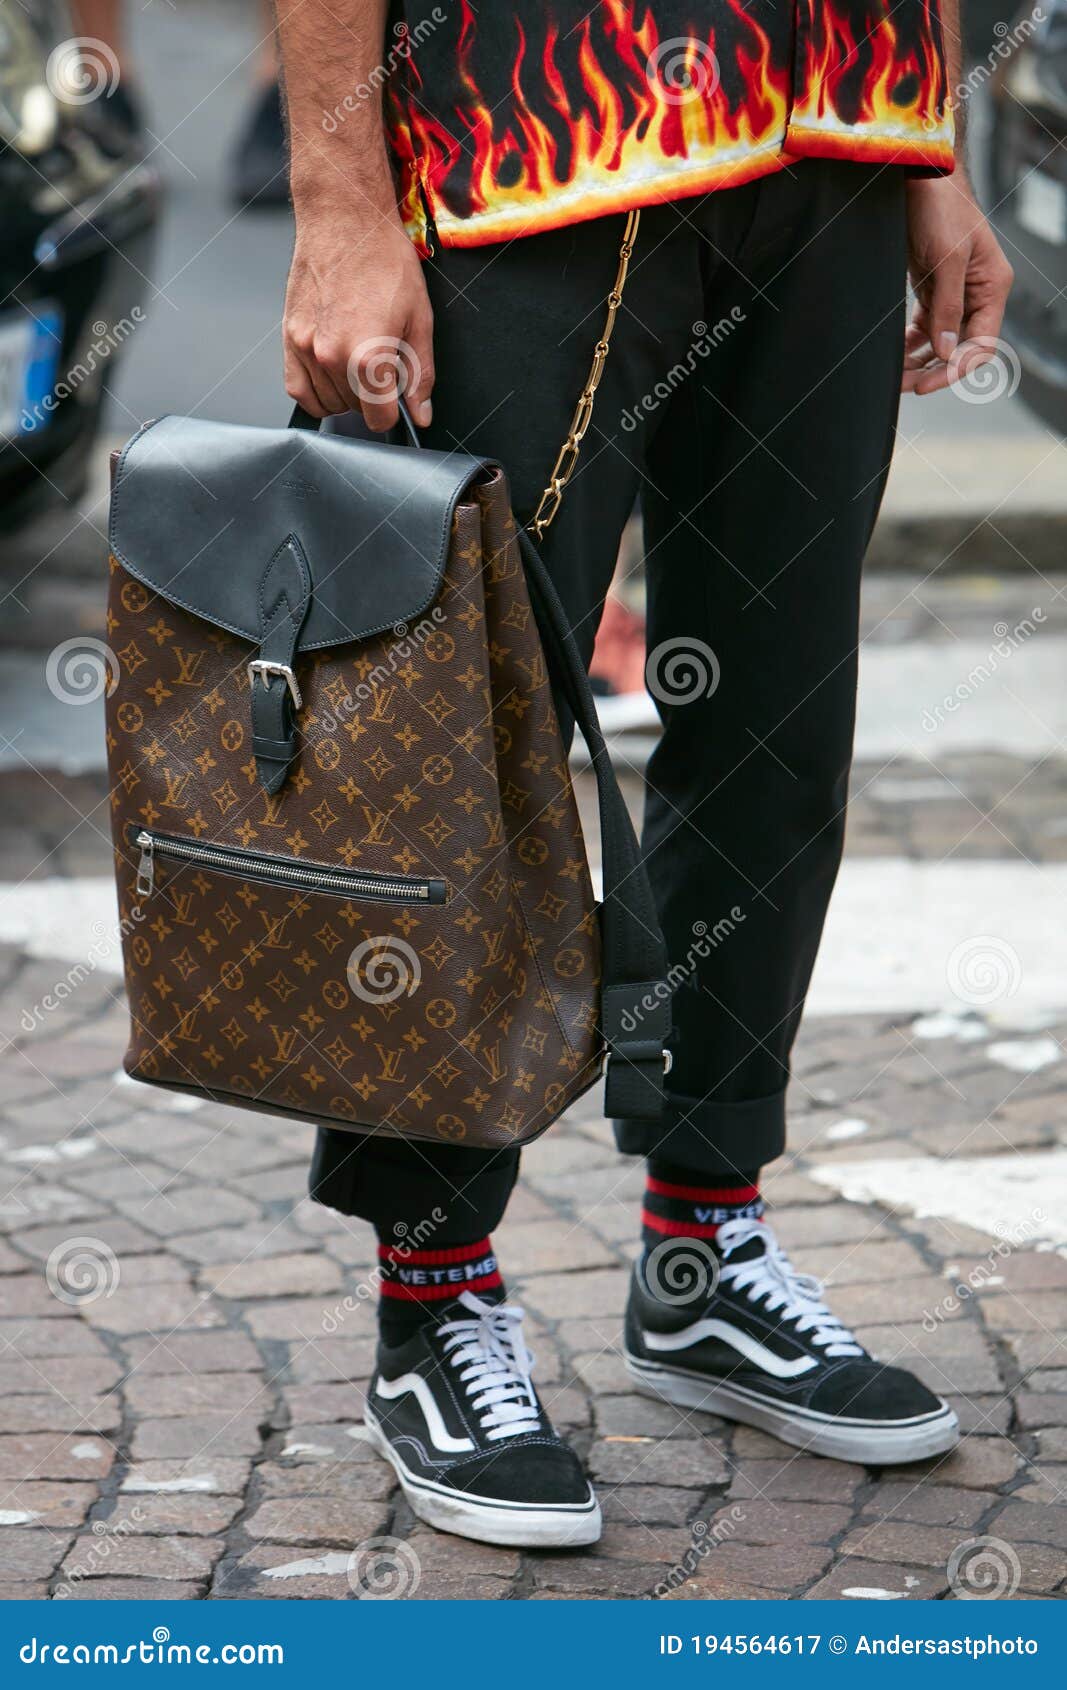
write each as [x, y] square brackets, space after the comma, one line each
[870, 1443]
[516, 1525]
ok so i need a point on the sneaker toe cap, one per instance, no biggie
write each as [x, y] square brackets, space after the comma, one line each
[867, 1390]
[546, 1473]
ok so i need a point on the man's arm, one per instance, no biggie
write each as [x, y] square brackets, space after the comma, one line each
[356, 306]
[960, 275]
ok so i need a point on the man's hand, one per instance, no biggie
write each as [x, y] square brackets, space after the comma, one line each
[961, 281]
[358, 327]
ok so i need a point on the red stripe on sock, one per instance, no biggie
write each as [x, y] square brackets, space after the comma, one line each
[434, 1258]
[676, 1229]
[438, 1293]
[734, 1194]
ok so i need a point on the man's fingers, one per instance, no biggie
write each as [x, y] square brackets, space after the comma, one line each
[420, 371]
[945, 304]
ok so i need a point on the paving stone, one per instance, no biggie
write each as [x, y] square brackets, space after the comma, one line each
[652, 1505]
[35, 1338]
[27, 1553]
[718, 1587]
[1047, 1409]
[1030, 1522]
[212, 1477]
[641, 1416]
[640, 1543]
[316, 1519]
[548, 1246]
[132, 1590]
[279, 1572]
[795, 1478]
[224, 1351]
[370, 1481]
[593, 1292]
[278, 1276]
[155, 1308]
[874, 1581]
[684, 1462]
[46, 1504]
[297, 1319]
[1037, 1312]
[761, 1568]
[782, 1522]
[197, 1514]
[331, 1360]
[439, 1553]
[187, 1558]
[189, 1208]
[927, 1503]
[592, 1575]
[480, 1589]
[65, 1375]
[342, 1401]
[43, 1455]
[28, 1592]
[26, 1296]
[260, 1240]
[900, 1542]
[205, 1436]
[53, 1413]
[158, 1396]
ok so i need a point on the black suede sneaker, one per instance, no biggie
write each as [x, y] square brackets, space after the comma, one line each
[456, 1412]
[754, 1341]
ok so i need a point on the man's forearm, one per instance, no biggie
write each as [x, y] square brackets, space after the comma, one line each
[332, 53]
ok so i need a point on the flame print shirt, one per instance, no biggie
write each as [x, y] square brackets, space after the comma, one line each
[507, 117]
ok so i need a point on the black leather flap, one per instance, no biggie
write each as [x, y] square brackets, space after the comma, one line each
[199, 508]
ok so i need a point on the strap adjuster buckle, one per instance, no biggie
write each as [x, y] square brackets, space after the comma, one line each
[265, 667]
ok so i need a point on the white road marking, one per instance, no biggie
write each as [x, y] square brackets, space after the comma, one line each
[1020, 1199]
[892, 930]
[330, 1565]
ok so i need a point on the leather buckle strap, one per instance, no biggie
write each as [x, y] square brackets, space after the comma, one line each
[636, 1023]
[284, 601]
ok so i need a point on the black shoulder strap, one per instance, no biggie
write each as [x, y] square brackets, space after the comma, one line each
[635, 998]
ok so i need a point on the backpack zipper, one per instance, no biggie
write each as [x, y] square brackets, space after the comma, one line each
[282, 871]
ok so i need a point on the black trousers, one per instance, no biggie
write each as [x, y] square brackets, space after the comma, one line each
[749, 400]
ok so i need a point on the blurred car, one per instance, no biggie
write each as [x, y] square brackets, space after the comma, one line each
[1021, 170]
[78, 207]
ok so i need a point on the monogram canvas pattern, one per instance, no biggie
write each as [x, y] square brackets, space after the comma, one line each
[427, 753]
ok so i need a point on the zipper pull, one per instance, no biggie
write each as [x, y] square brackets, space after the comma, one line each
[146, 866]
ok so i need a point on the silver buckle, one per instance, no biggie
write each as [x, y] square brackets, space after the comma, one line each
[263, 666]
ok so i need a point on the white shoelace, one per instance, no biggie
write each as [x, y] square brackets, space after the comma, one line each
[494, 1367]
[771, 1279]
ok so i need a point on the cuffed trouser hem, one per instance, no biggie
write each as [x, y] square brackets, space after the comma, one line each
[710, 1138]
[447, 1193]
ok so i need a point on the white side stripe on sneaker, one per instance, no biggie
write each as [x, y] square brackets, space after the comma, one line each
[440, 1436]
[751, 1348]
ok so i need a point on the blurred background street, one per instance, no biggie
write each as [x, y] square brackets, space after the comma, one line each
[204, 1409]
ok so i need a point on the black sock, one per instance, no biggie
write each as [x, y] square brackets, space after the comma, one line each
[416, 1284]
[684, 1203]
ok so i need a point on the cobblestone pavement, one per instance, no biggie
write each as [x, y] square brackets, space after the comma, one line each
[184, 1337]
